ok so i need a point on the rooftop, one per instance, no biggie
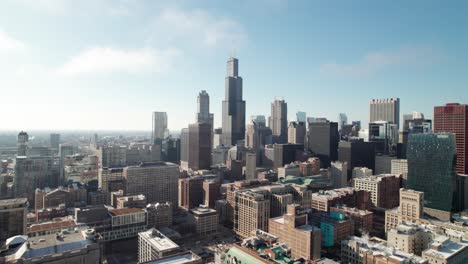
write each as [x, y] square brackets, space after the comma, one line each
[41, 246]
[125, 211]
[158, 240]
[443, 248]
[184, 257]
[51, 226]
[17, 201]
[203, 211]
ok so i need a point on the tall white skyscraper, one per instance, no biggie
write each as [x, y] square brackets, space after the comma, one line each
[160, 130]
[385, 110]
[203, 109]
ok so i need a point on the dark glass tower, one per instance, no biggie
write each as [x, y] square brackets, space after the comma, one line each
[233, 121]
[323, 141]
[431, 169]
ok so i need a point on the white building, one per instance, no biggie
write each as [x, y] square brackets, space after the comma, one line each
[153, 245]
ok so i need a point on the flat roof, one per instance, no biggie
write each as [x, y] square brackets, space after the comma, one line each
[158, 240]
[47, 245]
[6, 202]
[203, 211]
[124, 211]
[185, 257]
[51, 226]
[447, 248]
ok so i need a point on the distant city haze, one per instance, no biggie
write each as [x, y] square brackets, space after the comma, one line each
[102, 65]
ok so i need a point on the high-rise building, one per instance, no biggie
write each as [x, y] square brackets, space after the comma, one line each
[160, 130]
[252, 140]
[301, 117]
[191, 193]
[400, 168]
[22, 143]
[55, 141]
[323, 141]
[294, 230]
[339, 174]
[112, 156]
[233, 119]
[184, 148]
[211, 190]
[385, 110]
[356, 153]
[250, 165]
[153, 245]
[453, 118]
[199, 157]
[203, 109]
[384, 135]
[252, 212]
[342, 120]
[35, 172]
[157, 181]
[431, 169]
[13, 217]
[159, 215]
[278, 121]
[297, 133]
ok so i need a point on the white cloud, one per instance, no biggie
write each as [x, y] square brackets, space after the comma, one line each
[112, 60]
[8, 43]
[374, 62]
[197, 27]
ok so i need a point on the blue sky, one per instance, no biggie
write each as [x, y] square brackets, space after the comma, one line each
[107, 64]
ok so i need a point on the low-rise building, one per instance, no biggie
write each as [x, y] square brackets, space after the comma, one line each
[187, 257]
[335, 227]
[205, 220]
[359, 250]
[80, 246]
[384, 189]
[411, 239]
[363, 219]
[445, 251]
[134, 201]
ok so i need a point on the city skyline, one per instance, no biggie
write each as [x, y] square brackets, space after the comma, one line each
[423, 65]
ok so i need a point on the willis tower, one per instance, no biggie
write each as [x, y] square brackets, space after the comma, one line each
[233, 127]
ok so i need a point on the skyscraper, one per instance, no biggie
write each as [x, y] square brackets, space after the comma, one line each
[199, 146]
[342, 120]
[233, 120]
[297, 133]
[160, 130]
[385, 110]
[22, 143]
[157, 181]
[301, 117]
[323, 141]
[184, 148]
[453, 118]
[55, 141]
[278, 121]
[431, 169]
[203, 109]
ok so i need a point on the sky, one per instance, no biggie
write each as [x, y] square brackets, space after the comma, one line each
[107, 64]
